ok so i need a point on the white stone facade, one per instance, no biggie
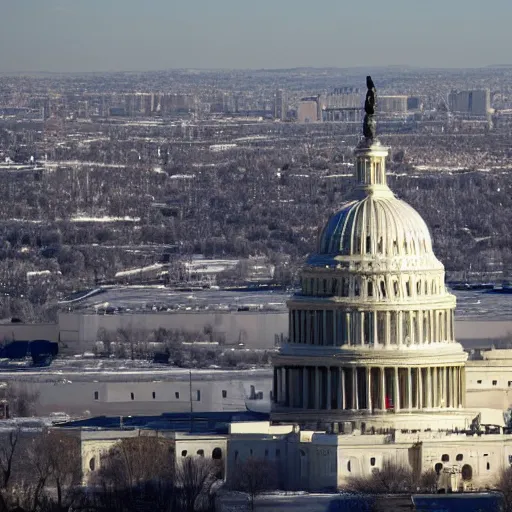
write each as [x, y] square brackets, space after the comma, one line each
[372, 330]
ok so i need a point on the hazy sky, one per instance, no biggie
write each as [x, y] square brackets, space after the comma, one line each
[99, 35]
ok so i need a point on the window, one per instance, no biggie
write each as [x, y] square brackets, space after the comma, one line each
[370, 289]
[224, 393]
[236, 455]
[184, 453]
[479, 382]
[198, 395]
[459, 457]
[92, 464]
[266, 453]
[349, 467]
[372, 461]
[154, 395]
[488, 466]
[132, 396]
[96, 395]
[509, 383]
[494, 382]
[438, 467]
[217, 454]
[445, 458]
[200, 453]
[250, 452]
[467, 472]
[177, 394]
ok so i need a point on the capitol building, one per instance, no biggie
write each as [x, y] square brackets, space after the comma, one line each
[371, 340]
[372, 371]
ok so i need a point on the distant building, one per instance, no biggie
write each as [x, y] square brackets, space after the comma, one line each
[280, 105]
[392, 104]
[309, 110]
[474, 102]
[344, 97]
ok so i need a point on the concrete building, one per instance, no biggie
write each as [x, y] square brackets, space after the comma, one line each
[309, 110]
[473, 103]
[395, 104]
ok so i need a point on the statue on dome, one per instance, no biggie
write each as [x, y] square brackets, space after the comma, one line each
[370, 104]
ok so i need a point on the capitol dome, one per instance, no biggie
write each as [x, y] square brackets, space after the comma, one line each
[376, 226]
[371, 331]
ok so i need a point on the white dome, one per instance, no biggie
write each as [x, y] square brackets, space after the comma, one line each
[376, 226]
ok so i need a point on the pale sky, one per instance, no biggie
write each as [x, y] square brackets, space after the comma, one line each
[116, 35]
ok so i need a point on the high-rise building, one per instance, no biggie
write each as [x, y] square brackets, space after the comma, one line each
[474, 102]
[280, 105]
[309, 110]
[372, 329]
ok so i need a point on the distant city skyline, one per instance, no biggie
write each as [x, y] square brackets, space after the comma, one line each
[123, 35]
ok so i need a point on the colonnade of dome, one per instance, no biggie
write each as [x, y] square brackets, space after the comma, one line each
[371, 330]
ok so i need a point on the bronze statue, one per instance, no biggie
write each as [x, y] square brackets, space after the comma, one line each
[370, 105]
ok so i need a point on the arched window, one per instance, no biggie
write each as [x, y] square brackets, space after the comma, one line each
[467, 472]
[217, 454]
[92, 464]
[438, 467]
[184, 453]
[349, 467]
[200, 453]
[445, 457]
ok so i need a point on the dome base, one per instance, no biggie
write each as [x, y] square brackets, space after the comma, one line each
[425, 419]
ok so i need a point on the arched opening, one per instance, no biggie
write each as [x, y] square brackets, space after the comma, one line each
[217, 454]
[200, 453]
[438, 467]
[467, 472]
[92, 464]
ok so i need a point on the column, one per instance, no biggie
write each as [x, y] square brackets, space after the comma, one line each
[302, 324]
[411, 331]
[463, 385]
[355, 390]
[383, 388]
[296, 331]
[376, 327]
[399, 328]
[340, 390]
[388, 329]
[343, 389]
[452, 381]
[409, 388]
[431, 322]
[443, 387]
[305, 387]
[324, 339]
[329, 392]
[361, 327]
[274, 386]
[434, 387]
[348, 327]
[420, 388]
[397, 391]
[316, 341]
[419, 326]
[317, 387]
[369, 404]
[335, 328]
[429, 388]
[291, 385]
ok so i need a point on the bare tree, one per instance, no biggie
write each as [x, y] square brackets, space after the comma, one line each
[194, 477]
[137, 459]
[391, 478]
[504, 484]
[22, 402]
[55, 462]
[255, 476]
